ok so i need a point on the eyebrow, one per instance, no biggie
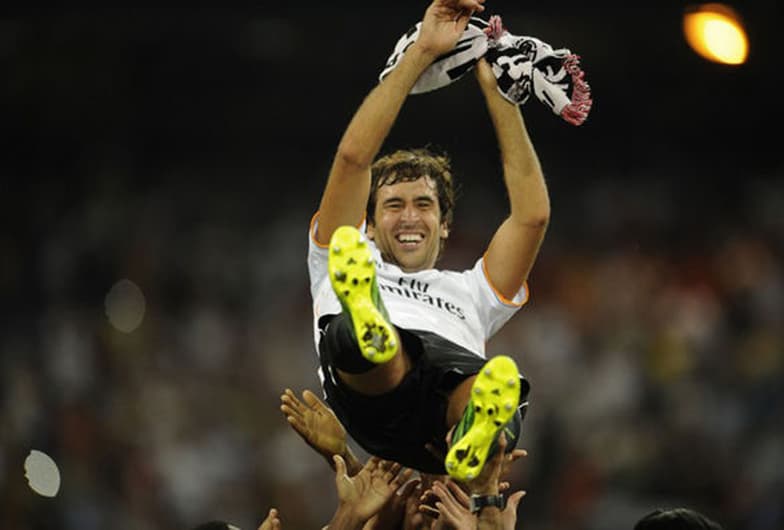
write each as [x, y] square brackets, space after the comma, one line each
[420, 198]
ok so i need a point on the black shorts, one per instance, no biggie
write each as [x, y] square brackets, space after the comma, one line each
[397, 425]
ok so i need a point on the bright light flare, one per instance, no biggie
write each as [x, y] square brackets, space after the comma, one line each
[715, 32]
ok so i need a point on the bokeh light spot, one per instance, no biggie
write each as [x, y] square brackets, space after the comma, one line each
[42, 474]
[125, 306]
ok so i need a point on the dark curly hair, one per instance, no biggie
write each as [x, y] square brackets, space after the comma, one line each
[676, 519]
[407, 165]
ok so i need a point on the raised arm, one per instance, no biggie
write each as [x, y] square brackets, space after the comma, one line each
[346, 193]
[514, 247]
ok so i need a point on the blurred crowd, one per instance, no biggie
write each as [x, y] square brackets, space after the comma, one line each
[159, 174]
[144, 350]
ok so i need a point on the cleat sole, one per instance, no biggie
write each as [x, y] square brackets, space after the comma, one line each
[352, 273]
[493, 402]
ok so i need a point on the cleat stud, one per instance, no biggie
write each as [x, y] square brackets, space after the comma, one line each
[370, 260]
[392, 344]
[511, 383]
[477, 391]
[488, 372]
[508, 406]
[469, 475]
[450, 465]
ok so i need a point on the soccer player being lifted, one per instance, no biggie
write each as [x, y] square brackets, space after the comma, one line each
[401, 343]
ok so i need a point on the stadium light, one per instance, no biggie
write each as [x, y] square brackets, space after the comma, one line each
[716, 32]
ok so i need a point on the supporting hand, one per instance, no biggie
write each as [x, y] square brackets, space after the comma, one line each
[272, 522]
[452, 507]
[366, 493]
[315, 422]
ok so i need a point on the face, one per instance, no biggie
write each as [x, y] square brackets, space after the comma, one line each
[408, 228]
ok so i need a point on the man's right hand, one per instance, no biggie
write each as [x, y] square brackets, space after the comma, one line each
[444, 23]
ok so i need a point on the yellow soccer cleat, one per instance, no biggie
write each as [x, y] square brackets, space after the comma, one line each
[352, 273]
[495, 395]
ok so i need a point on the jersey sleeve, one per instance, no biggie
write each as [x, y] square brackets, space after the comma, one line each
[493, 308]
[323, 298]
[317, 259]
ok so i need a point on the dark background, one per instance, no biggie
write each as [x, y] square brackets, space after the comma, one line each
[185, 150]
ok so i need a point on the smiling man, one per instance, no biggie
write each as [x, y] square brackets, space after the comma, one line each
[402, 344]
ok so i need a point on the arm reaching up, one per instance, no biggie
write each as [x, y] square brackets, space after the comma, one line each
[515, 245]
[348, 186]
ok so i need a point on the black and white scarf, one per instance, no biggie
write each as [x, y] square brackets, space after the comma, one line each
[522, 65]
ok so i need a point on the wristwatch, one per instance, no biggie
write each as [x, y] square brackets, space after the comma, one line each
[477, 502]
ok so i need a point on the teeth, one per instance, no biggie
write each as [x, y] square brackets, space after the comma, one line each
[409, 238]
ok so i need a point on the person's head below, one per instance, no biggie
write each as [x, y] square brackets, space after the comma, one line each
[676, 519]
[410, 207]
[215, 525]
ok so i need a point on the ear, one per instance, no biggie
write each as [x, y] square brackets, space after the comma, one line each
[370, 230]
[444, 232]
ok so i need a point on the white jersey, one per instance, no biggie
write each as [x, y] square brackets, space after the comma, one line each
[462, 307]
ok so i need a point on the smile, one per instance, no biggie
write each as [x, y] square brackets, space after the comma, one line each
[410, 238]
